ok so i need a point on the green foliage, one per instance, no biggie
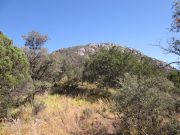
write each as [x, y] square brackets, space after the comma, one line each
[175, 78]
[146, 107]
[14, 68]
[65, 86]
[109, 66]
[42, 86]
[72, 65]
[4, 40]
[146, 67]
[173, 128]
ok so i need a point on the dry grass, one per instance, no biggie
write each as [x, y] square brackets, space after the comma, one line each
[63, 115]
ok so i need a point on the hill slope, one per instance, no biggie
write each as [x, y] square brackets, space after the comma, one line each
[84, 51]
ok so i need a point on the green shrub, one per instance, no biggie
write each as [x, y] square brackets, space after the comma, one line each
[14, 72]
[175, 78]
[173, 128]
[65, 86]
[42, 86]
[146, 106]
[146, 67]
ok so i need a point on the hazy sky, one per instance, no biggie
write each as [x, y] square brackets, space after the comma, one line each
[137, 24]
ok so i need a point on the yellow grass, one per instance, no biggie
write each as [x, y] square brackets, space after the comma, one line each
[62, 116]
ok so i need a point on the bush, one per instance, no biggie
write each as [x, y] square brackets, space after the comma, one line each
[173, 128]
[175, 78]
[42, 86]
[145, 106]
[65, 86]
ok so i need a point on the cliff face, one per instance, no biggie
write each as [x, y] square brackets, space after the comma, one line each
[91, 48]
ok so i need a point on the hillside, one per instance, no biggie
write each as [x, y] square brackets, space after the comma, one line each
[95, 89]
[86, 50]
[101, 88]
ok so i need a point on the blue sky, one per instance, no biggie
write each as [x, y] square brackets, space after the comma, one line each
[137, 24]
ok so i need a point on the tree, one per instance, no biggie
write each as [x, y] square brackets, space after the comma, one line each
[146, 67]
[72, 65]
[174, 43]
[40, 64]
[38, 56]
[107, 66]
[14, 71]
[35, 41]
[175, 26]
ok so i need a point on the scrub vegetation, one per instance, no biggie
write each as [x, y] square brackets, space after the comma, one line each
[99, 89]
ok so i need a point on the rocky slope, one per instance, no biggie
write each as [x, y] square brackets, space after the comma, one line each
[91, 48]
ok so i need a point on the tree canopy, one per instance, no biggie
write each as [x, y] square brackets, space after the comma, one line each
[39, 59]
[14, 70]
[109, 66]
[14, 66]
